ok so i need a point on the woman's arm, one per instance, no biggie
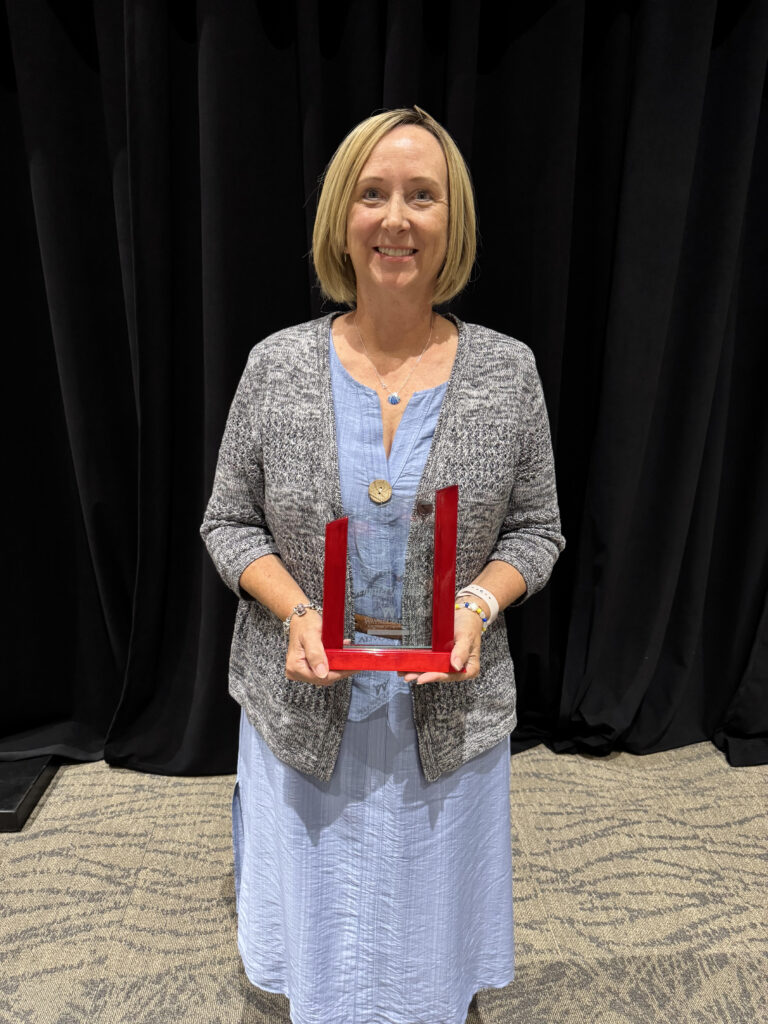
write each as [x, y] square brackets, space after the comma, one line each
[529, 540]
[504, 582]
[507, 585]
[239, 541]
[234, 526]
[269, 582]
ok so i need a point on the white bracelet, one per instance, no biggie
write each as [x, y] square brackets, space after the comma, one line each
[477, 591]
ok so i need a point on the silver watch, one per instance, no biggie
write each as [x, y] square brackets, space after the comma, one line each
[300, 609]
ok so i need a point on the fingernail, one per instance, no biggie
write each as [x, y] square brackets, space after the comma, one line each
[321, 671]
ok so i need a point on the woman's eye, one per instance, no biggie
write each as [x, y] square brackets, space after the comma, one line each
[422, 195]
[371, 193]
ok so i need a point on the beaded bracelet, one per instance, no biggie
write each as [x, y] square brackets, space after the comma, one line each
[473, 607]
[475, 590]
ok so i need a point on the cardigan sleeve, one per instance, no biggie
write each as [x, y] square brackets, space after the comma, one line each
[234, 527]
[530, 537]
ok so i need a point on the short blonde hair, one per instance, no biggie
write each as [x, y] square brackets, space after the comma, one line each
[335, 274]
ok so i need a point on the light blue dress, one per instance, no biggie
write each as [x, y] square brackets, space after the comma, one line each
[377, 897]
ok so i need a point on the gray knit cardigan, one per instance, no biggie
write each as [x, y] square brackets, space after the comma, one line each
[277, 485]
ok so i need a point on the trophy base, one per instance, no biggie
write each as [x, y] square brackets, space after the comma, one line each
[388, 659]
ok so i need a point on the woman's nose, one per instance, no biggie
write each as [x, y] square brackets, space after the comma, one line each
[396, 213]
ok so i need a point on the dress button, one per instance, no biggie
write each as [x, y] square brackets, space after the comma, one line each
[380, 491]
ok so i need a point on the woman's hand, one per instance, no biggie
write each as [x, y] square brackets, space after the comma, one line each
[305, 660]
[467, 631]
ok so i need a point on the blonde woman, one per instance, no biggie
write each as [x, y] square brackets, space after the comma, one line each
[371, 812]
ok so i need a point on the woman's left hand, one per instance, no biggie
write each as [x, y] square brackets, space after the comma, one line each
[467, 631]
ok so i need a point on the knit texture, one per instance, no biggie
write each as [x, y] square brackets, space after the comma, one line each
[277, 485]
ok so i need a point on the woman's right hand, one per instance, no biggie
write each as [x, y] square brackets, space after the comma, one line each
[305, 660]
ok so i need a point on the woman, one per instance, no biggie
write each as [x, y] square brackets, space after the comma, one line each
[371, 812]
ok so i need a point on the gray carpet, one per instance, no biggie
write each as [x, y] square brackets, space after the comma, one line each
[640, 894]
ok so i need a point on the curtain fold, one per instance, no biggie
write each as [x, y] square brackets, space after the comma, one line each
[161, 170]
[652, 489]
[73, 523]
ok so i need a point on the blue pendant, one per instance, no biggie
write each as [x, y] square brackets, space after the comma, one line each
[394, 399]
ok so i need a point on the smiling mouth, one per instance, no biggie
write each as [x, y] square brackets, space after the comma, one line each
[395, 252]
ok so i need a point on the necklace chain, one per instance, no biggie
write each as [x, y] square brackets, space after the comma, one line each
[394, 396]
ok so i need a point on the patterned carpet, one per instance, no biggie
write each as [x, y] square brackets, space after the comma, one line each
[641, 896]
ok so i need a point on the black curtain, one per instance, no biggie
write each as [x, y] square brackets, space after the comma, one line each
[160, 166]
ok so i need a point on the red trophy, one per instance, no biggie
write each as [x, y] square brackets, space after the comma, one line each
[353, 657]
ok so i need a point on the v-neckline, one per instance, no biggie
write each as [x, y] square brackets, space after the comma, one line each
[375, 394]
[429, 476]
[397, 459]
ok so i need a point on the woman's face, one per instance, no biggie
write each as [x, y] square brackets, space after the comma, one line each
[397, 226]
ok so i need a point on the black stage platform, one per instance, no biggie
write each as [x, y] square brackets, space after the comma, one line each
[22, 783]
